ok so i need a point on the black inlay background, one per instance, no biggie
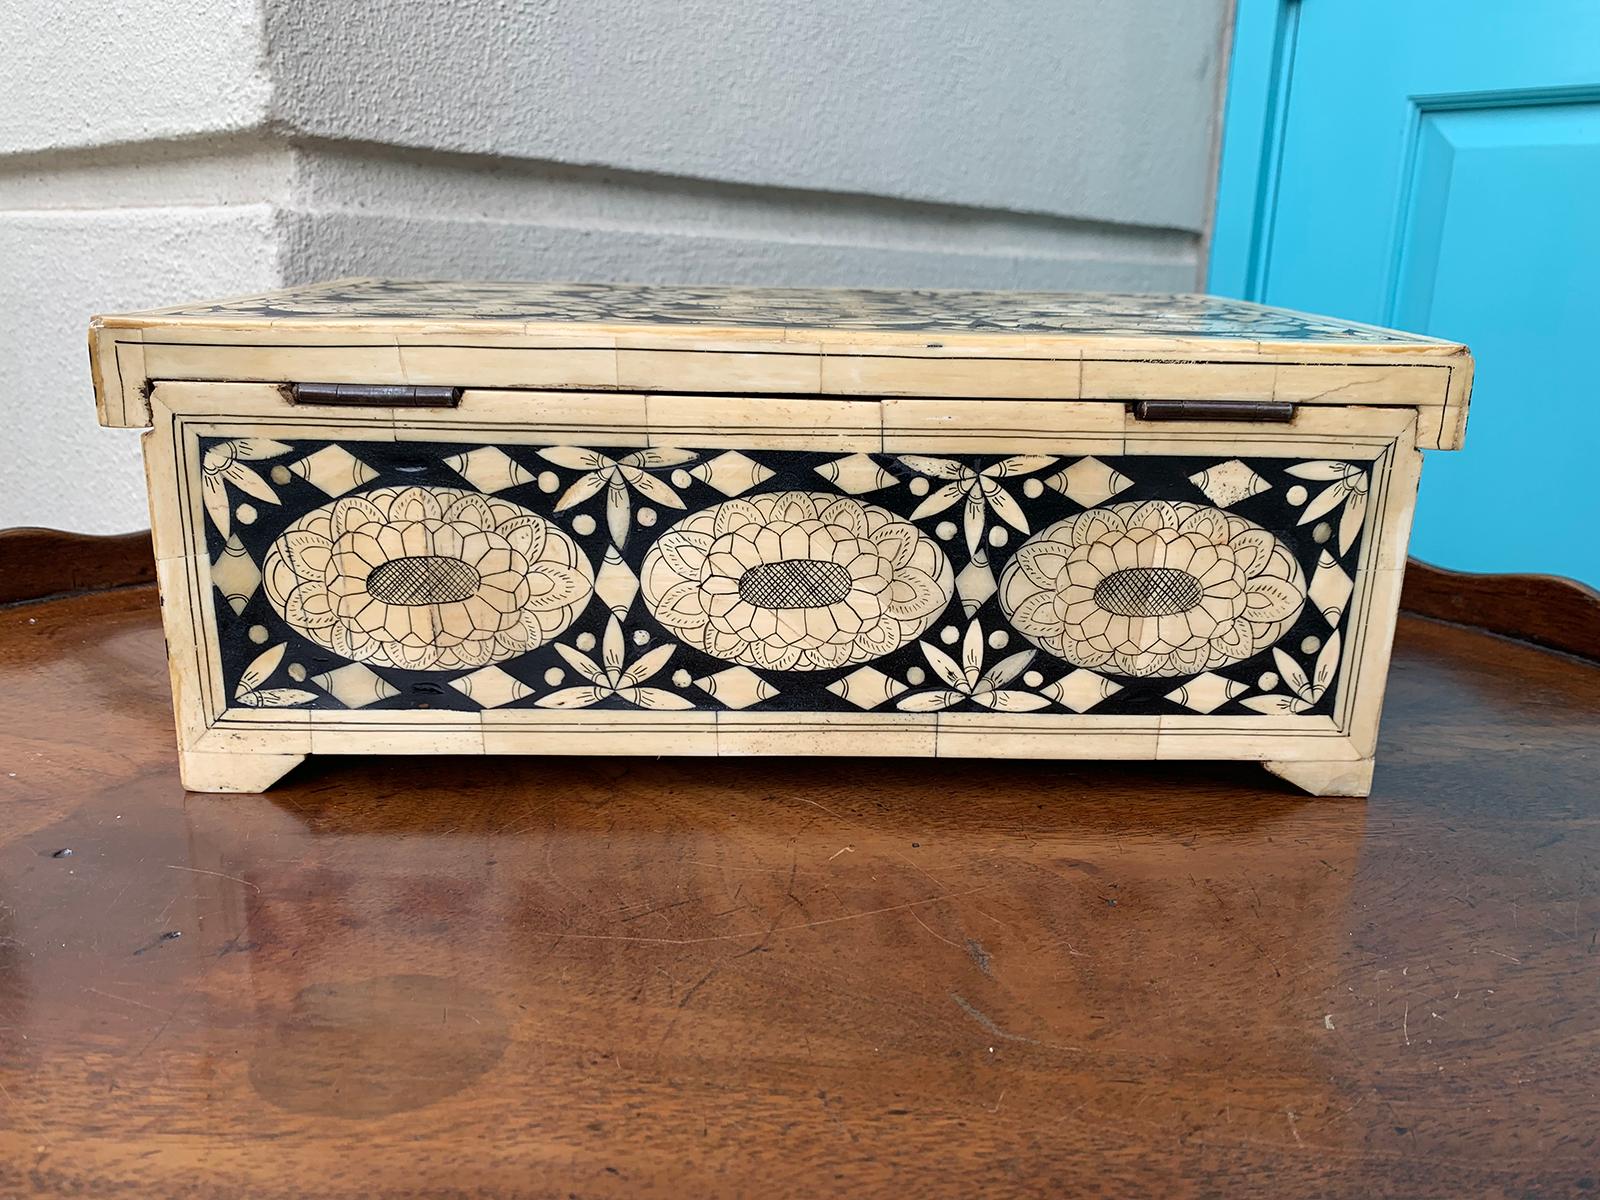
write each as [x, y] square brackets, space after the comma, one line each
[400, 464]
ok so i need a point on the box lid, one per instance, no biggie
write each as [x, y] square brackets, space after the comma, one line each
[781, 341]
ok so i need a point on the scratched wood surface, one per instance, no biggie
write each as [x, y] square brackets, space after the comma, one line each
[694, 978]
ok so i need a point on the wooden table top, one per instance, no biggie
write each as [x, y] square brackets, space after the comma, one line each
[532, 977]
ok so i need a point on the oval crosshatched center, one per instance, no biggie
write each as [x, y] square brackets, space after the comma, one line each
[1148, 592]
[795, 583]
[425, 579]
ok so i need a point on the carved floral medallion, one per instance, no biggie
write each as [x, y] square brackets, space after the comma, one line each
[426, 578]
[796, 581]
[1161, 588]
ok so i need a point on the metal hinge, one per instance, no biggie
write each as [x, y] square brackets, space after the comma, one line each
[1213, 410]
[379, 395]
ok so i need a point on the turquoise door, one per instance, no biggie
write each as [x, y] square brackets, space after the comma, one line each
[1435, 165]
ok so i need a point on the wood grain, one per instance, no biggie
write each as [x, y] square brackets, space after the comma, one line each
[470, 977]
[1545, 609]
[35, 563]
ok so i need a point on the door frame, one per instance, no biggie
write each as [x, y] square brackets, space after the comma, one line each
[1260, 71]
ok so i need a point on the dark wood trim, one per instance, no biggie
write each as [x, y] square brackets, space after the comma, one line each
[1544, 609]
[35, 563]
[1547, 610]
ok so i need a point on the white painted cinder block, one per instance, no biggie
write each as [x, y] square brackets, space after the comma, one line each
[80, 75]
[1099, 110]
[61, 469]
[155, 152]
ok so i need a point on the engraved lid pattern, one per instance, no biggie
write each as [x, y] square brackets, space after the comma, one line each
[1084, 313]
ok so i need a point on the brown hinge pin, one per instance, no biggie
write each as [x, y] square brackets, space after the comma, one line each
[1213, 410]
[381, 395]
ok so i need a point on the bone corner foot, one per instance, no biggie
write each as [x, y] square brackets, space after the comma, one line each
[222, 771]
[1326, 778]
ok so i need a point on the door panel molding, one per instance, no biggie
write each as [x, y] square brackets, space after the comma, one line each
[1425, 181]
[1432, 166]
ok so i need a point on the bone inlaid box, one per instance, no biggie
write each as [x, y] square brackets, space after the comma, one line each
[418, 518]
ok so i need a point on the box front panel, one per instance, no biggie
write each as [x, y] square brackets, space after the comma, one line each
[903, 579]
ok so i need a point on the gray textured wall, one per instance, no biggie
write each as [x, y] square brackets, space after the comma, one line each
[160, 150]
